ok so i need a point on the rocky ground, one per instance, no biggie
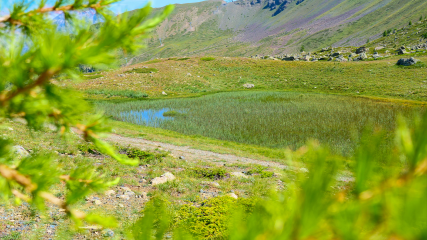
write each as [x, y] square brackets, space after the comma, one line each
[173, 175]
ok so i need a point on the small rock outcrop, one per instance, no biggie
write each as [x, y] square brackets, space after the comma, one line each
[248, 85]
[402, 50]
[407, 61]
[233, 195]
[166, 177]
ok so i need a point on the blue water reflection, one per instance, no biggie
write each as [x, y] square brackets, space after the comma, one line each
[148, 117]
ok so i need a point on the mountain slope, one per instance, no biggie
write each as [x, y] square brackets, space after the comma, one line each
[249, 27]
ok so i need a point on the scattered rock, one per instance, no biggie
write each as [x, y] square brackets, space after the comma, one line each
[108, 233]
[126, 189]
[97, 202]
[376, 55]
[341, 59]
[125, 197]
[189, 74]
[120, 75]
[239, 174]
[182, 157]
[407, 61]
[166, 177]
[233, 195]
[130, 193]
[248, 85]
[164, 93]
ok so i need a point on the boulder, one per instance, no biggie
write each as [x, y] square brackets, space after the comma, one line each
[166, 177]
[341, 59]
[361, 50]
[233, 195]
[20, 151]
[401, 51]
[407, 61]
[306, 58]
[337, 54]
[362, 56]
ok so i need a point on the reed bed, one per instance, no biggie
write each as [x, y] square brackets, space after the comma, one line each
[271, 119]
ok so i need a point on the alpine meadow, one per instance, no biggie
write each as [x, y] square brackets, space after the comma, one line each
[238, 120]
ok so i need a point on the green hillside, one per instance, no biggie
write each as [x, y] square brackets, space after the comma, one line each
[244, 28]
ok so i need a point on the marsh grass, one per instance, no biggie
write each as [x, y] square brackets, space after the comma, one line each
[273, 119]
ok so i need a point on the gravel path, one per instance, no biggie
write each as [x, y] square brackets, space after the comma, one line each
[189, 153]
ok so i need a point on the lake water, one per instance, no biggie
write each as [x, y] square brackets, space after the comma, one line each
[150, 117]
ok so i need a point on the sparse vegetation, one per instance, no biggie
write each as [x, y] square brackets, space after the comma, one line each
[143, 70]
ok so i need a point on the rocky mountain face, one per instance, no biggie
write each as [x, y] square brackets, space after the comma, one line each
[276, 27]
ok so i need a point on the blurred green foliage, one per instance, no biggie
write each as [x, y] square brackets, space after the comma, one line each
[32, 52]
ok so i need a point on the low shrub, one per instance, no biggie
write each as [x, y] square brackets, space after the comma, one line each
[182, 59]
[207, 59]
[261, 171]
[144, 156]
[210, 219]
[212, 173]
[88, 149]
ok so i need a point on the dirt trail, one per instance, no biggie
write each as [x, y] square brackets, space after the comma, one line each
[189, 153]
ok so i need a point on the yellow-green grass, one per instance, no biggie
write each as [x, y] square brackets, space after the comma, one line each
[194, 77]
[200, 142]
